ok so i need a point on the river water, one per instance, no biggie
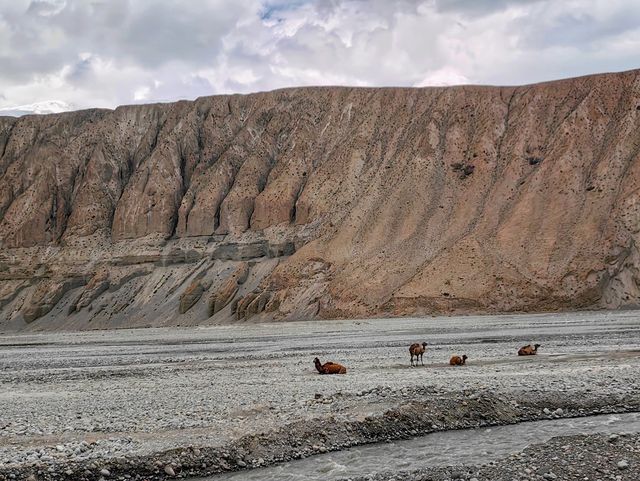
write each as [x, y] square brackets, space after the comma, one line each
[469, 446]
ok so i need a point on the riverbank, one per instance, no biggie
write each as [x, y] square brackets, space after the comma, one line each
[432, 413]
[592, 457]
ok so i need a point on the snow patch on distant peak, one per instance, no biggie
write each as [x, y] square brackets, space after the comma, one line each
[442, 78]
[44, 107]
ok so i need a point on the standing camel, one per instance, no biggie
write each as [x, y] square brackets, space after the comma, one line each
[417, 350]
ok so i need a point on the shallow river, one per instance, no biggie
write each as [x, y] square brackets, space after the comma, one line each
[470, 446]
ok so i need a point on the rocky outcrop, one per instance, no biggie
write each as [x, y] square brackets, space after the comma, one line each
[46, 295]
[96, 286]
[343, 202]
[191, 295]
[224, 294]
[9, 289]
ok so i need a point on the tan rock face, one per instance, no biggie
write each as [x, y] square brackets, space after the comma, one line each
[224, 293]
[191, 295]
[398, 201]
[222, 296]
[45, 297]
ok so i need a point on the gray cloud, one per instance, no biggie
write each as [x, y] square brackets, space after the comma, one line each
[578, 28]
[149, 33]
[479, 7]
[109, 52]
[80, 73]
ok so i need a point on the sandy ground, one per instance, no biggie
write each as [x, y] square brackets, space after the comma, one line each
[88, 397]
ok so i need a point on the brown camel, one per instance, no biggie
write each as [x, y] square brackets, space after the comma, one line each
[329, 367]
[457, 360]
[528, 350]
[417, 350]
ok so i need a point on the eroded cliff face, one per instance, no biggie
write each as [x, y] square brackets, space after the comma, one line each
[323, 202]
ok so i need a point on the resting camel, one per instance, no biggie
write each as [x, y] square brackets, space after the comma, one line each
[457, 360]
[528, 350]
[417, 350]
[329, 367]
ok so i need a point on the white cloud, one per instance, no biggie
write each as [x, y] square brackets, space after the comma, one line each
[141, 93]
[111, 52]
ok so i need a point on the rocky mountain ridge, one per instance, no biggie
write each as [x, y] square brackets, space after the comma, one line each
[323, 202]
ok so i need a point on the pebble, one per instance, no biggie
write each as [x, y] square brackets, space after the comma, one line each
[169, 470]
[624, 464]
[105, 472]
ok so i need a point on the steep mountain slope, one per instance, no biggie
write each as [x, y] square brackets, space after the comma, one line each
[323, 202]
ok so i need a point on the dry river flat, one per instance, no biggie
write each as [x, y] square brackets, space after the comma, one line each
[162, 403]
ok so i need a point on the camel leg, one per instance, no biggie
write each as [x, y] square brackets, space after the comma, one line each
[411, 360]
[421, 360]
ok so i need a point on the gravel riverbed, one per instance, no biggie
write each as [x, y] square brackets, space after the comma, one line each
[163, 403]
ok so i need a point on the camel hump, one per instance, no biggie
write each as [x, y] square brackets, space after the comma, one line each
[526, 350]
[336, 369]
[332, 368]
[457, 360]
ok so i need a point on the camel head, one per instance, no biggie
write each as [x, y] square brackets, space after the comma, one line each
[424, 344]
[464, 357]
[316, 361]
[536, 346]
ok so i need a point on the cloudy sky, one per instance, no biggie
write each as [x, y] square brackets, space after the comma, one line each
[86, 53]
